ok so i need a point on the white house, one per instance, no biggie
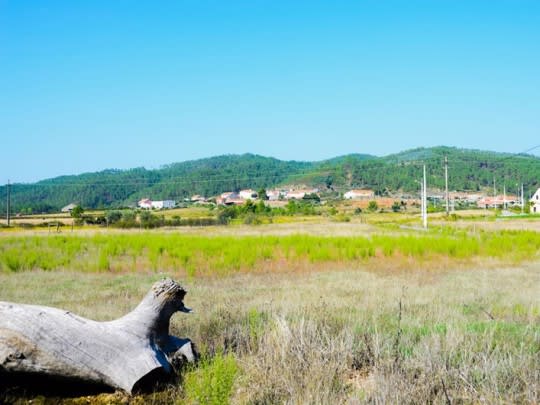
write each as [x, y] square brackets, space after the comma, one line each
[359, 194]
[145, 203]
[295, 195]
[274, 195]
[148, 204]
[230, 198]
[248, 194]
[300, 194]
[158, 205]
[535, 202]
[69, 207]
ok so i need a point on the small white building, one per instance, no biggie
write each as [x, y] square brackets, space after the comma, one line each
[359, 194]
[535, 202]
[145, 203]
[226, 194]
[300, 194]
[159, 205]
[295, 195]
[148, 204]
[197, 198]
[248, 194]
[275, 195]
[230, 198]
[69, 207]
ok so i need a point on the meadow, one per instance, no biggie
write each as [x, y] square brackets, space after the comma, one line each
[198, 255]
[450, 315]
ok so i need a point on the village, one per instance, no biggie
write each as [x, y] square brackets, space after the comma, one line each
[280, 197]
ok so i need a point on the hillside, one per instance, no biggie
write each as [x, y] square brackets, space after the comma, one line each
[115, 188]
[468, 170]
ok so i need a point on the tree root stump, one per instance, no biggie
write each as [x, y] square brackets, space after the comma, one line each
[131, 353]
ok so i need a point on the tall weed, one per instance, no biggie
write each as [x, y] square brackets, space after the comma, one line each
[211, 383]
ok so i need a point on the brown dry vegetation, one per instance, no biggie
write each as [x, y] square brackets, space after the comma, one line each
[363, 224]
[336, 337]
[394, 329]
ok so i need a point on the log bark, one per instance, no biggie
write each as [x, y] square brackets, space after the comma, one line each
[126, 353]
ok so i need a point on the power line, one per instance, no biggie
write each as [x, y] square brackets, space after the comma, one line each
[178, 181]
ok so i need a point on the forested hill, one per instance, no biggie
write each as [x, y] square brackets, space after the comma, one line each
[467, 170]
[115, 188]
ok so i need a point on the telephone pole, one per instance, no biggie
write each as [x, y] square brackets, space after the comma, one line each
[424, 200]
[522, 199]
[447, 197]
[8, 204]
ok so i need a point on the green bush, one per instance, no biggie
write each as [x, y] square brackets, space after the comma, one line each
[212, 382]
[252, 219]
[342, 218]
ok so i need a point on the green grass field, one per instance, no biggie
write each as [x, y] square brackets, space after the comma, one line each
[223, 255]
[391, 316]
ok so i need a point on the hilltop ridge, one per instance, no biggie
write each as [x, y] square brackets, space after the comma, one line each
[469, 170]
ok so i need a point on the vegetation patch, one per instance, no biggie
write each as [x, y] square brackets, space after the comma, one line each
[222, 255]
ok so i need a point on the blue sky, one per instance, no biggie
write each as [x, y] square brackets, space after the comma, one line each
[86, 86]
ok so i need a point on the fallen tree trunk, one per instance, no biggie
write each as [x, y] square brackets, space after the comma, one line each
[126, 353]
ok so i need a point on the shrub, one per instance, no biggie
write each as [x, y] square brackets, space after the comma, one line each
[342, 218]
[211, 383]
[113, 216]
[252, 219]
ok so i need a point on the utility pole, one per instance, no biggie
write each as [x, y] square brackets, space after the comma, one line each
[447, 197]
[504, 196]
[522, 199]
[424, 200]
[494, 189]
[8, 204]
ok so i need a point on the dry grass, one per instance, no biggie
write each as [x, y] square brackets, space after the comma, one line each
[190, 212]
[463, 336]
[363, 224]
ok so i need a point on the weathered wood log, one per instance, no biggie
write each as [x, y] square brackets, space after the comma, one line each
[123, 354]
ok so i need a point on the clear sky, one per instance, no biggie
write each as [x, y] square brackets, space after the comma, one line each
[90, 85]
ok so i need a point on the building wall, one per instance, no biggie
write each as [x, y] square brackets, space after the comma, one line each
[163, 204]
[535, 200]
[248, 194]
[351, 195]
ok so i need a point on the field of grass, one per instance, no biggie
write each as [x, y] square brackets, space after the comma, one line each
[313, 311]
[190, 212]
[197, 255]
[462, 336]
